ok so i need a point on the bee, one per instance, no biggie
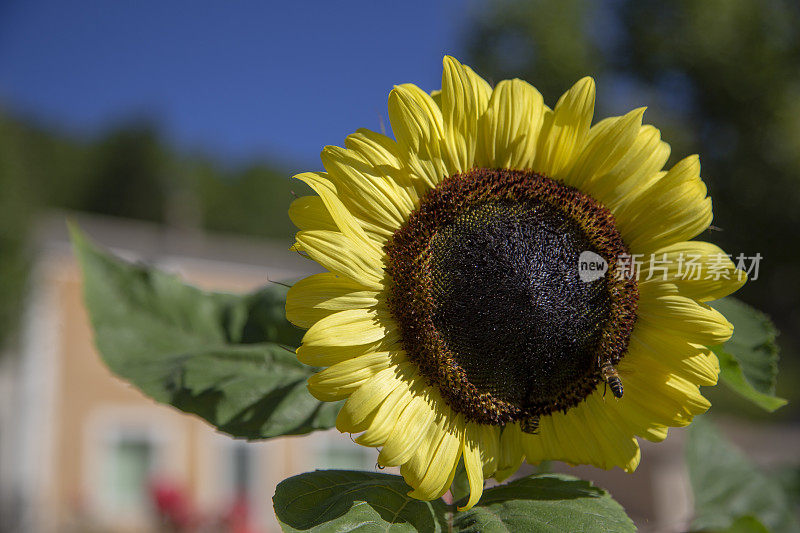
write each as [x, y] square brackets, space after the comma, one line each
[530, 425]
[611, 377]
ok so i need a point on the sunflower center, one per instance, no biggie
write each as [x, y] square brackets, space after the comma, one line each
[490, 301]
[507, 297]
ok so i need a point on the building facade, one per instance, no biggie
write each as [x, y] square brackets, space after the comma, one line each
[85, 451]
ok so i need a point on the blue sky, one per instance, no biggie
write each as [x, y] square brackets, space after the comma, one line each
[238, 80]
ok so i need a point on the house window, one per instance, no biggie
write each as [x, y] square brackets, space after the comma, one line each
[239, 490]
[241, 470]
[129, 465]
[129, 454]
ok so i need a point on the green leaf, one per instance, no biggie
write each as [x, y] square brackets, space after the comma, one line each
[546, 502]
[221, 356]
[747, 524]
[732, 375]
[342, 500]
[749, 360]
[337, 500]
[727, 487]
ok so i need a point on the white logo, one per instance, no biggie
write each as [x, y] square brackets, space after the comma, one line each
[591, 266]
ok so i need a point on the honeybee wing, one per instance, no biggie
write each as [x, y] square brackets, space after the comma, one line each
[626, 372]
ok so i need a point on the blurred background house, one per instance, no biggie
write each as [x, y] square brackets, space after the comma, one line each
[186, 120]
[84, 451]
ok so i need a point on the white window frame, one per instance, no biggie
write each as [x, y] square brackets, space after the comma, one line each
[106, 427]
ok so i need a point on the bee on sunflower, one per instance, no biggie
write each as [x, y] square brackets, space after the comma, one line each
[452, 315]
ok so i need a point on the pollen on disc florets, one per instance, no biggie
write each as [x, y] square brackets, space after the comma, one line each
[487, 295]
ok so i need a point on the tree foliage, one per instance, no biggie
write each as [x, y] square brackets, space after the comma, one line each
[129, 171]
[15, 218]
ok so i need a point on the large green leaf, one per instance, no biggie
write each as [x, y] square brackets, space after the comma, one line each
[728, 488]
[342, 500]
[545, 502]
[336, 500]
[224, 357]
[749, 360]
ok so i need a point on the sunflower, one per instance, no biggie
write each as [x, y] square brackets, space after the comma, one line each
[453, 316]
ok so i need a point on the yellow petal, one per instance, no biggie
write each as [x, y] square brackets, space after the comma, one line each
[473, 465]
[701, 368]
[418, 126]
[378, 197]
[408, 433]
[511, 126]
[635, 172]
[342, 379]
[310, 213]
[347, 223]
[384, 155]
[413, 469]
[465, 96]
[377, 149]
[436, 96]
[490, 448]
[442, 461]
[620, 448]
[688, 394]
[533, 446]
[565, 130]
[511, 454]
[342, 255]
[607, 144]
[584, 435]
[673, 354]
[638, 421]
[358, 411]
[701, 270]
[665, 398]
[561, 442]
[320, 295]
[348, 328]
[675, 208]
[330, 355]
[698, 323]
[384, 420]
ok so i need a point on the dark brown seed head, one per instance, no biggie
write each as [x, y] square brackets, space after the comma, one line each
[486, 291]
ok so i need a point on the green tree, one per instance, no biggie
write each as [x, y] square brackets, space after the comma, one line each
[127, 175]
[15, 210]
[254, 201]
